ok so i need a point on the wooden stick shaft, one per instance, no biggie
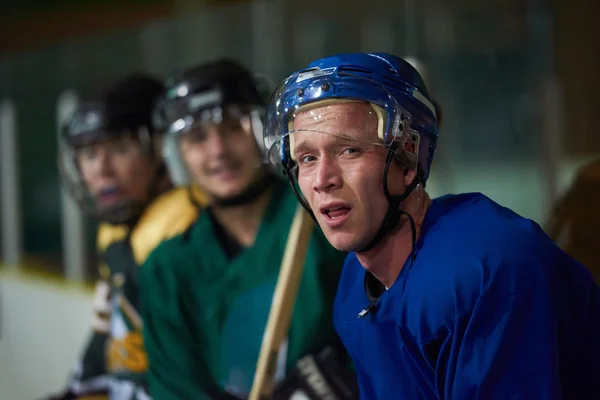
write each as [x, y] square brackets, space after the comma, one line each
[282, 305]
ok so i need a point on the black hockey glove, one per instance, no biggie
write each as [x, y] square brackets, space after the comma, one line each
[318, 377]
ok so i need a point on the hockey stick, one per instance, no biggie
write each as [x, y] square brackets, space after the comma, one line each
[282, 305]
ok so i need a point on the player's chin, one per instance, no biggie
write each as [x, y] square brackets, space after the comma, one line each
[343, 241]
[228, 189]
[225, 194]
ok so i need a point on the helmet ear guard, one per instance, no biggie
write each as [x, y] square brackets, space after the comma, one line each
[407, 147]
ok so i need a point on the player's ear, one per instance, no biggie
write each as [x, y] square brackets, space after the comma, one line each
[409, 176]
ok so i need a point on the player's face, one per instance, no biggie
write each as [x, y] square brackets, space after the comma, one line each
[341, 170]
[222, 158]
[116, 171]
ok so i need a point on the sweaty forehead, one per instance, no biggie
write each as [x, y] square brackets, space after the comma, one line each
[337, 116]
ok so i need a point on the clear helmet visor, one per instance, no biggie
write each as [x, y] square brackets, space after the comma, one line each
[322, 112]
[197, 129]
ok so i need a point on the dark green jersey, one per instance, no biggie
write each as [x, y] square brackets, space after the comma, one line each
[115, 361]
[205, 313]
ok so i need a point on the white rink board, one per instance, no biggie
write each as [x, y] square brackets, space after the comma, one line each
[43, 328]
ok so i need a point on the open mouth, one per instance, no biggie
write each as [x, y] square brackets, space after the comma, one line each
[336, 214]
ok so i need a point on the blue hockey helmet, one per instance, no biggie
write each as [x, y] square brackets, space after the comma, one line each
[393, 87]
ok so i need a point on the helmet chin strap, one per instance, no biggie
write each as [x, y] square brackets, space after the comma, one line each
[393, 214]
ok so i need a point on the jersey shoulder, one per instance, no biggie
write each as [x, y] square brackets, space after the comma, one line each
[108, 234]
[170, 263]
[472, 223]
[473, 245]
[169, 215]
[165, 266]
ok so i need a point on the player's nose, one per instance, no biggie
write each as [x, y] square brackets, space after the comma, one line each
[328, 175]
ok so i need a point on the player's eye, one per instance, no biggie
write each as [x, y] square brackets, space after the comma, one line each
[351, 151]
[119, 146]
[87, 152]
[231, 126]
[196, 135]
[307, 159]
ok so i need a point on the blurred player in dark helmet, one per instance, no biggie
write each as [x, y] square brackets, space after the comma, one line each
[111, 163]
[455, 297]
[206, 294]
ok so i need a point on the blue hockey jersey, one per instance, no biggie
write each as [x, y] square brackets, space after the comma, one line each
[490, 308]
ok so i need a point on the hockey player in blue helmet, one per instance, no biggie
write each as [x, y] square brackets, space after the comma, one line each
[450, 298]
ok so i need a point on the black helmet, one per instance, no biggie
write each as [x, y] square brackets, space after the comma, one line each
[123, 109]
[217, 84]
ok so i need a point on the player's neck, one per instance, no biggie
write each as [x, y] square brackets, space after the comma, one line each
[243, 221]
[385, 261]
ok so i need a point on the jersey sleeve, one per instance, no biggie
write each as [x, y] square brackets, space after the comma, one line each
[175, 370]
